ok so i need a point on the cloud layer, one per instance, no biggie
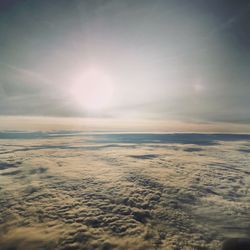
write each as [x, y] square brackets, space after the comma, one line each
[77, 192]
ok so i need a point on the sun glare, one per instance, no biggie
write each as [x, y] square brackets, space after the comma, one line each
[92, 90]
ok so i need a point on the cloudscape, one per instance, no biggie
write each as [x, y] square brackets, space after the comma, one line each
[124, 124]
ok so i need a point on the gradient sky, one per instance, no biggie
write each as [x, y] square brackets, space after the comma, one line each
[168, 60]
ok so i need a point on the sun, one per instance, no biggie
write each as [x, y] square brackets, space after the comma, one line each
[92, 90]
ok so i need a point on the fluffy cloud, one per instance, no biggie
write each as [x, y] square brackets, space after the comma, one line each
[59, 193]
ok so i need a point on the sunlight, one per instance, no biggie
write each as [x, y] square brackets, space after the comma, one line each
[92, 90]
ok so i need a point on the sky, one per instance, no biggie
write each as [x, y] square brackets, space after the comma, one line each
[172, 60]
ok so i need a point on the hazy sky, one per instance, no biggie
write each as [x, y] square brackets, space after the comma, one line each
[173, 60]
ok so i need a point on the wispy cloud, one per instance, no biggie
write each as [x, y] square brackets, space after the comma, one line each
[29, 74]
